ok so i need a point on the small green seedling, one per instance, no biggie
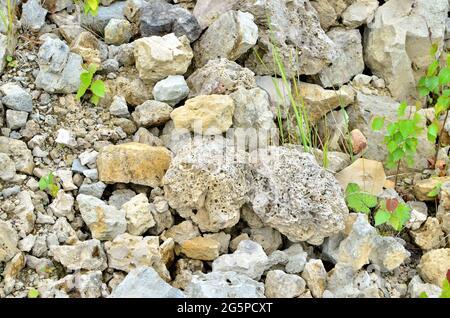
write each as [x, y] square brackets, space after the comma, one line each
[33, 293]
[394, 213]
[358, 200]
[435, 192]
[97, 87]
[90, 6]
[445, 288]
[10, 61]
[48, 183]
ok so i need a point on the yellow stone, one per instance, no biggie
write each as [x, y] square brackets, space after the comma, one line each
[423, 187]
[201, 248]
[133, 163]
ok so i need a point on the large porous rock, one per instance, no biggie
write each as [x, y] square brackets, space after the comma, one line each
[158, 57]
[8, 242]
[294, 195]
[160, 18]
[349, 61]
[362, 113]
[133, 163]
[434, 265]
[224, 285]
[127, 252]
[220, 76]
[104, 221]
[230, 36]
[87, 255]
[59, 69]
[19, 153]
[144, 282]
[295, 28]
[397, 41]
[208, 183]
[205, 114]
[249, 259]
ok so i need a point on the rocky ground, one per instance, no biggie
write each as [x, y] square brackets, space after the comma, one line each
[176, 184]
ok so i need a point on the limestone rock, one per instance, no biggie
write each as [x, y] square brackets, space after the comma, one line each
[118, 31]
[133, 163]
[171, 90]
[315, 276]
[360, 12]
[8, 171]
[62, 205]
[213, 188]
[19, 153]
[279, 200]
[87, 255]
[205, 114]
[158, 57]
[98, 22]
[416, 287]
[423, 187]
[207, 11]
[152, 113]
[278, 284]
[33, 15]
[9, 240]
[429, 236]
[201, 248]
[138, 214]
[268, 238]
[104, 221]
[89, 48]
[230, 36]
[86, 285]
[16, 98]
[181, 232]
[434, 265]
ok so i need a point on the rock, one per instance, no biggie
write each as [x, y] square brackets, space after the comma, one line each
[201, 248]
[62, 205]
[3, 52]
[98, 22]
[388, 254]
[350, 58]
[224, 285]
[434, 265]
[59, 70]
[129, 85]
[87, 255]
[181, 232]
[64, 232]
[213, 189]
[8, 171]
[127, 252]
[86, 285]
[278, 284]
[419, 213]
[24, 213]
[160, 18]
[66, 138]
[89, 48]
[9, 240]
[14, 266]
[326, 12]
[207, 11]
[230, 36]
[249, 259]
[104, 221]
[423, 187]
[359, 141]
[319, 101]
[118, 31]
[429, 236]
[278, 93]
[205, 114]
[138, 214]
[144, 282]
[171, 90]
[152, 113]
[301, 218]
[16, 98]
[223, 239]
[94, 189]
[19, 153]
[416, 287]
[119, 107]
[294, 25]
[361, 116]
[133, 163]
[33, 15]
[220, 76]
[296, 259]
[16, 119]
[158, 57]
[268, 238]
[401, 58]
[315, 276]
[359, 12]
[368, 174]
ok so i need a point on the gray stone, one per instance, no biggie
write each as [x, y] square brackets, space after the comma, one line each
[119, 107]
[160, 18]
[416, 287]
[224, 285]
[207, 11]
[9, 240]
[16, 119]
[118, 31]
[33, 15]
[268, 238]
[98, 22]
[16, 98]
[93, 189]
[171, 90]
[249, 259]
[8, 170]
[152, 113]
[359, 12]
[120, 197]
[282, 177]
[144, 282]
[3, 52]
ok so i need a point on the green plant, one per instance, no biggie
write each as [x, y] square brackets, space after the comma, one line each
[8, 22]
[96, 87]
[435, 191]
[48, 183]
[358, 200]
[89, 6]
[10, 61]
[435, 88]
[394, 213]
[401, 139]
[445, 288]
[33, 293]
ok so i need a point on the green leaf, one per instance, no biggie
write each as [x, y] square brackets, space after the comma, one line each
[433, 49]
[391, 146]
[432, 68]
[433, 131]
[432, 83]
[93, 4]
[401, 109]
[437, 188]
[400, 216]
[377, 123]
[381, 217]
[360, 201]
[86, 79]
[406, 127]
[448, 60]
[53, 189]
[445, 289]
[423, 295]
[398, 154]
[43, 183]
[352, 188]
[33, 293]
[444, 76]
[441, 105]
[95, 99]
[392, 128]
[98, 88]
